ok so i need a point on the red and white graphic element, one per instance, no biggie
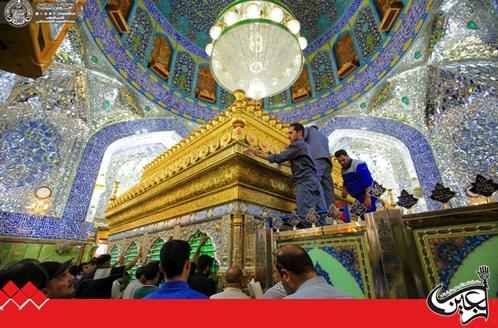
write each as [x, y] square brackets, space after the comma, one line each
[10, 293]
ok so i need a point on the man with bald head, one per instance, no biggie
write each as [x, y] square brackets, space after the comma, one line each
[300, 278]
[233, 289]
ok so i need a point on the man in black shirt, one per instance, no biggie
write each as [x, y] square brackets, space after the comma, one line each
[200, 281]
[98, 283]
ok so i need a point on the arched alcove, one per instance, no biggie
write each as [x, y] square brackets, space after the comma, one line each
[72, 225]
[387, 158]
[301, 89]
[389, 11]
[322, 71]
[118, 11]
[155, 250]
[160, 57]
[122, 164]
[345, 55]
[114, 254]
[207, 249]
[206, 85]
[131, 254]
[418, 147]
[184, 72]
[139, 38]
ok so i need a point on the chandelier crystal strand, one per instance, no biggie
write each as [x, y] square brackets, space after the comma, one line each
[256, 47]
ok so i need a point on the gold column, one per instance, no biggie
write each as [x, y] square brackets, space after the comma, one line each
[390, 256]
[237, 228]
[248, 246]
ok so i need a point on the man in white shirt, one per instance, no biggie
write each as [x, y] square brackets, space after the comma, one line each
[234, 285]
[276, 291]
[134, 284]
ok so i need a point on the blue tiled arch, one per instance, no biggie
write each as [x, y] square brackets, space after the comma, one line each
[419, 148]
[72, 225]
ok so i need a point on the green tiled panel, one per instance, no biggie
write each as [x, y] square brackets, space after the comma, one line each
[131, 253]
[13, 252]
[207, 249]
[114, 254]
[155, 250]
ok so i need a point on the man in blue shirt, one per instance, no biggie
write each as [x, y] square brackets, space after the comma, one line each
[303, 177]
[357, 179]
[175, 265]
[319, 146]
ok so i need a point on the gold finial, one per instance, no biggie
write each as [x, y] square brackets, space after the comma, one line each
[251, 107]
[115, 191]
[239, 105]
[238, 122]
[239, 94]
[391, 202]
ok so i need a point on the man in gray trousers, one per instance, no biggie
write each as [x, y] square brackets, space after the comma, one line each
[304, 178]
[319, 146]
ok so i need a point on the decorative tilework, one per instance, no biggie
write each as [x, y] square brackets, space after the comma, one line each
[183, 76]
[347, 257]
[449, 253]
[7, 81]
[43, 127]
[72, 226]
[197, 217]
[281, 99]
[106, 39]
[156, 11]
[419, 148]
[138, 39]
[194, 18]
[340, 24]
[322, 72]
[70, 50]
[319, 270]
[29, 151]
[449, 89]
[226, 98]
[317, 16]
[411, 21]
[465, 139]
[366, 33]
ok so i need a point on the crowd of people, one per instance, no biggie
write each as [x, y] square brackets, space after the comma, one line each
[174, 276]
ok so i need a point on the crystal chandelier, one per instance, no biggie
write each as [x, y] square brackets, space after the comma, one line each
[256, 47]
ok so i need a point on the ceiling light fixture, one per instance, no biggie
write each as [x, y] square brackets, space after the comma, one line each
[256, 46]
